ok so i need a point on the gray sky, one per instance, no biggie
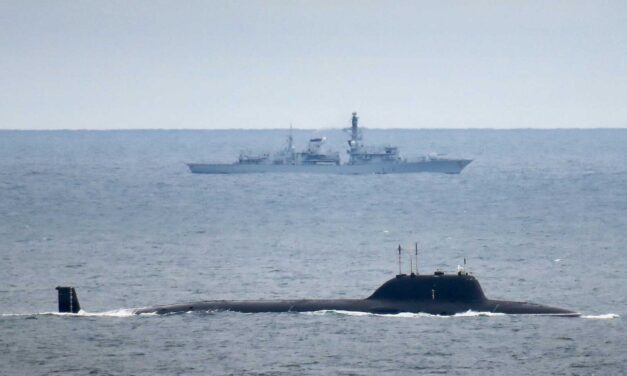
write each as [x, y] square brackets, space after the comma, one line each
[246, 64]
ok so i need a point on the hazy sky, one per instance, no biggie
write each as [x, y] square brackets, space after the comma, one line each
[246, 64]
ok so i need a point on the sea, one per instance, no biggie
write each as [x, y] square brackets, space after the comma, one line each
[539, 215]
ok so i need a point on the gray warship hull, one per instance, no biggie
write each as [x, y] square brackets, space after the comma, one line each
[447, 166]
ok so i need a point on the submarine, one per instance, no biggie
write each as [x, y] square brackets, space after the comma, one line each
[436, 294]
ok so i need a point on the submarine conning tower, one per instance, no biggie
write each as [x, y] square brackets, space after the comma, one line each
[439, 286]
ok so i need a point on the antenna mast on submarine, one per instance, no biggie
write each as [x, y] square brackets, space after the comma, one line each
[417, 258]
[400, 272]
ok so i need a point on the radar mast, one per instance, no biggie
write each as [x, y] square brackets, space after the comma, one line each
[354, 143]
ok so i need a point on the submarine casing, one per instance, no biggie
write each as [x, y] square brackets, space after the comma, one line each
[360, 305]
[436, 294]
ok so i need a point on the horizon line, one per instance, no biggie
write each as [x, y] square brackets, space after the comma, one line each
[302, 129]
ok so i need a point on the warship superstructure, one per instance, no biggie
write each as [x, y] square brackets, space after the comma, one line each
[363, 159]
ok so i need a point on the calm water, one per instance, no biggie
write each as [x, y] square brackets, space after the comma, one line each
[540, 216]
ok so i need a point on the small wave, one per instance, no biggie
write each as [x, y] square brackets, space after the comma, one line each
[114, 313]
[479, 314]
[127, 312]
[403, 314]
[607, 316]
[16, 314]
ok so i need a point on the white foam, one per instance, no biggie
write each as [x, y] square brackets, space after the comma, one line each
[607, 316]
[127, 312]
[15, 314]
[338, 312]
[470, 313]
[114, 313]
[403, 314]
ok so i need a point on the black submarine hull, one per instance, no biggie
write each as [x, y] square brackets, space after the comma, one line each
[360, 305]
[437, 294]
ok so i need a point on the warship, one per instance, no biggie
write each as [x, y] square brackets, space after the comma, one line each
[363, 159]
[437, 294]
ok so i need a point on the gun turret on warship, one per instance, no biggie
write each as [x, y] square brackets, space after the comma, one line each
[363, 159]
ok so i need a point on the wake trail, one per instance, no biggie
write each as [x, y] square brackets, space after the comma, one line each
[119, 313]
[129, 312]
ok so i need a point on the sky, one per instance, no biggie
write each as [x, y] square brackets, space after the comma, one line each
[268, 64]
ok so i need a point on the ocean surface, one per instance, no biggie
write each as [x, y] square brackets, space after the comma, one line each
[540, 215]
